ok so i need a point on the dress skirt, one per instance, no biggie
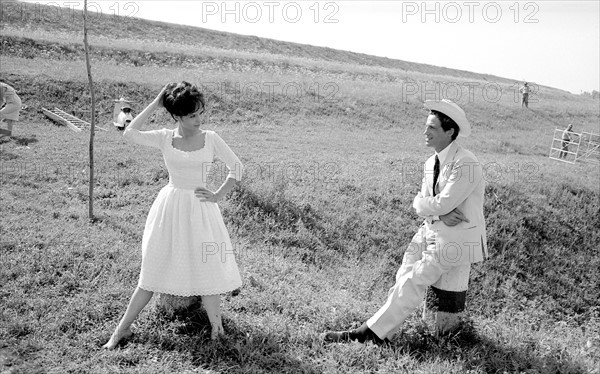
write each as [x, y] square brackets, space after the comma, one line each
[186, 249]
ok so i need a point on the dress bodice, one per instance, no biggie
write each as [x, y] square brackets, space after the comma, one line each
[188, 170]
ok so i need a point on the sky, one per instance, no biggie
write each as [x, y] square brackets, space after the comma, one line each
[552, 43]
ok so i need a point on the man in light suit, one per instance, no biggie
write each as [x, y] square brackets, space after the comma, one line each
[451, 238]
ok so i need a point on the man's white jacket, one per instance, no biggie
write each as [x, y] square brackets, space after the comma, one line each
[460, 185]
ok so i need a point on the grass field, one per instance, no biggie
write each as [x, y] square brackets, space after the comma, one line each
[320, 221]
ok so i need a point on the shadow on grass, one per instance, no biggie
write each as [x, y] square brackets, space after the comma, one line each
[481, 353]
[19, 141]
[24, 141]
[188, 332]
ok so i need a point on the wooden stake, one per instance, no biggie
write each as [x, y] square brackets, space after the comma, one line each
[93, 127]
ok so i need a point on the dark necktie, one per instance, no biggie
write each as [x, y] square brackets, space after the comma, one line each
[436, 173]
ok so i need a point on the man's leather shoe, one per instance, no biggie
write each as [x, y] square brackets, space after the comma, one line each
[361, 335]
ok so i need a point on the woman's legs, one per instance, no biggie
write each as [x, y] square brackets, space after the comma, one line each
[139, 300]
[212, 305]
[141, 297]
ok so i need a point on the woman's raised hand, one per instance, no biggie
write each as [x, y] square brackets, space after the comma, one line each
[159, 99]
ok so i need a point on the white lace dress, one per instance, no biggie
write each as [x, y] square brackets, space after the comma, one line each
[186, 249]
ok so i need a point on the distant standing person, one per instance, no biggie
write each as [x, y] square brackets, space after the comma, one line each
[566, 140]
[11, 105]
[186, 249]
[525, 95]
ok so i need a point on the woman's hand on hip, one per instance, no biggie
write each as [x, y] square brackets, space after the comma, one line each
[206, 195]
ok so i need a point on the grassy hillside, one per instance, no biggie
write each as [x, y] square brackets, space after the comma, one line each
[320, 221]
[54, 19]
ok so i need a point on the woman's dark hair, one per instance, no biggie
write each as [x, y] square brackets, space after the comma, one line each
[447, 123]
[181, 99]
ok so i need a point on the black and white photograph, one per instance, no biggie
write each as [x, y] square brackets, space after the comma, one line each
[309, 186]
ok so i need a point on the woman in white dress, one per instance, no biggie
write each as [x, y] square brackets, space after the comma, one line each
[186, 249]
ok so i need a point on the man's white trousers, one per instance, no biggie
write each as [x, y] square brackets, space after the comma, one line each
[420, 269]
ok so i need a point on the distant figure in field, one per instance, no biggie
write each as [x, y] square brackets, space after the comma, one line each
[186, 249]
[525, 95]
[11, 105]
[452, 237]
[566, 139]
[124, 118]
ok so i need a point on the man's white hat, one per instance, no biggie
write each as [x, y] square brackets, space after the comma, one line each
[453, 111]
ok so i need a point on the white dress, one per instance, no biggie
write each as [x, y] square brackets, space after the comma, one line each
[186, 249]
